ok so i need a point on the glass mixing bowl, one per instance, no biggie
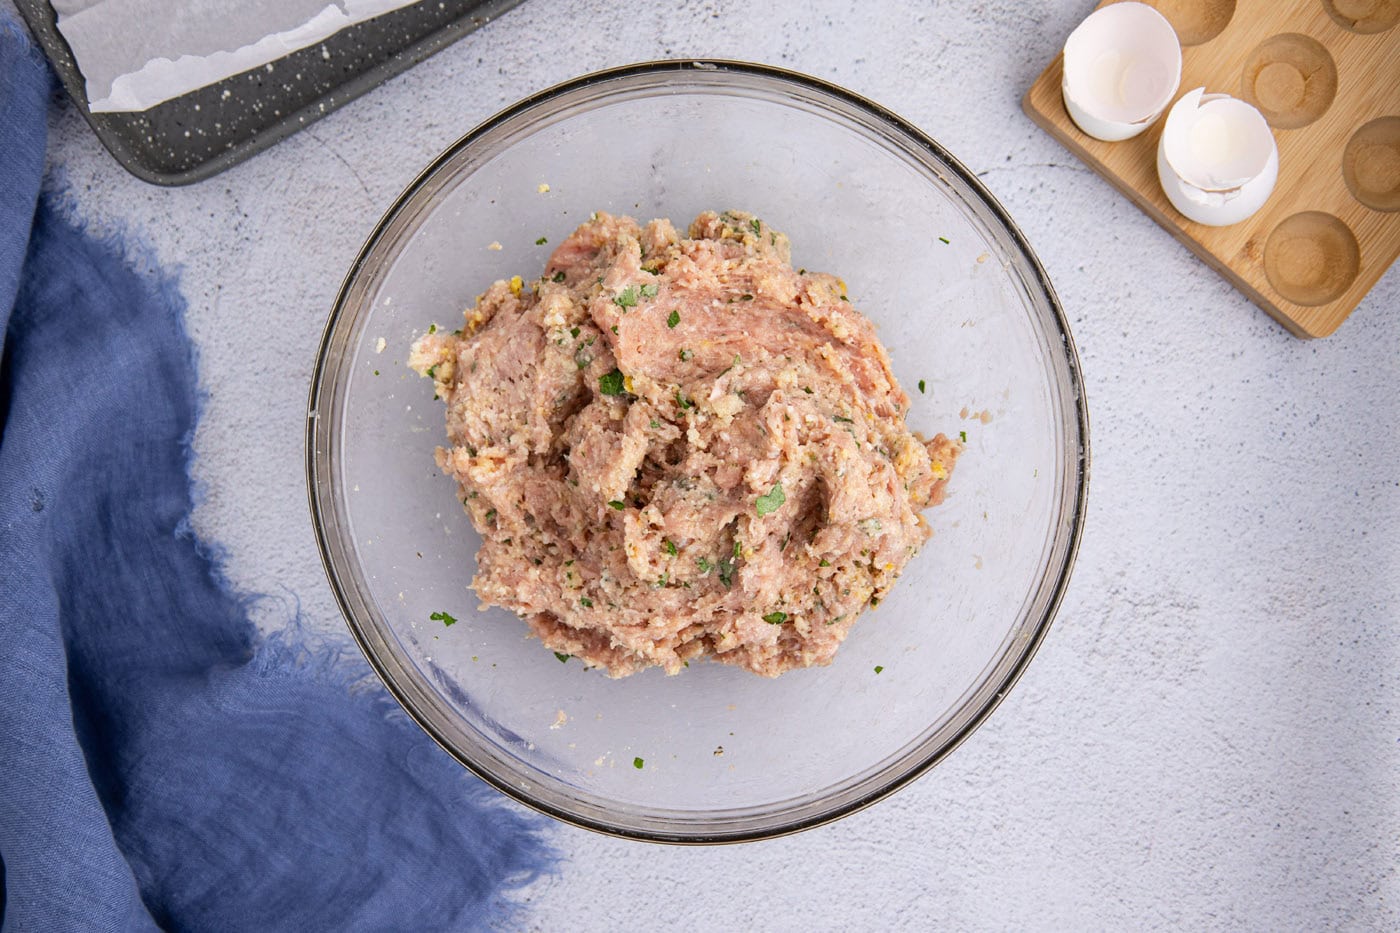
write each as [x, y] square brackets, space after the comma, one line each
[714, 754]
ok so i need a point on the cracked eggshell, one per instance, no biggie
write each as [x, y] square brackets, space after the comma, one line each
[1217, 159]
[1122, 66]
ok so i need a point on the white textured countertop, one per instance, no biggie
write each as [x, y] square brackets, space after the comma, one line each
[1210, 736]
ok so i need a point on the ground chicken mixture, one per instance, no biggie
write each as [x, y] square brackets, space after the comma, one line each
[678, 447]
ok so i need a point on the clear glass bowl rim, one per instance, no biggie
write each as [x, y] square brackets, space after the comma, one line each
[876, 118]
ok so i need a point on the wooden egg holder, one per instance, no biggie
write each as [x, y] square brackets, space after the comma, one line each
[1326, 75]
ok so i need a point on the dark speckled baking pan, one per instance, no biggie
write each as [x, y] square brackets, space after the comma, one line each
[201, 133]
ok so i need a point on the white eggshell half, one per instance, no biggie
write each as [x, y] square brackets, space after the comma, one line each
[1121, 67]
[1217, 159]
[1216, 142]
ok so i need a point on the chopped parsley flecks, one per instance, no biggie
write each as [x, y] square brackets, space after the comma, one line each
[746, 297]
[682, 401]
[776, 618]
[921, 387]
[610, 383]
[542, 241]
[638, 763]
[614, 328]
[843, 419]
[563, 658]
[756, 226]
[669, 546]
[727, 569]
[704, 564]
[686, 355]
[674, 319]
[770, 501]
[573, 332]
[558, 276]
[491, 515]
[650, 290]
[617, 504]
[443, 617]
[627, 298]
[943, 239]
[432, 328]
[879, 668]
[824, 563]
[585, 602]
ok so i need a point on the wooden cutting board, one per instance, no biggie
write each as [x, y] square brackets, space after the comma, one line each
[1326, 75]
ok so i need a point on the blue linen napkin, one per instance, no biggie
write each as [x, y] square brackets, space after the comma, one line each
[160, 767]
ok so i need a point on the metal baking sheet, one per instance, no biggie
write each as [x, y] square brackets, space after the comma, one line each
[201, 133]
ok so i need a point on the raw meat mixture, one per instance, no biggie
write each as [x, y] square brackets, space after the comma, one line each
[681, 447]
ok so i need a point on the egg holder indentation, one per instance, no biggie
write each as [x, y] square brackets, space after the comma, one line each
[1311, 258]
[1291, 78]
[1363, 17]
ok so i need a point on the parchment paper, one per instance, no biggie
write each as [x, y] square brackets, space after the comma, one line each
[135, 54]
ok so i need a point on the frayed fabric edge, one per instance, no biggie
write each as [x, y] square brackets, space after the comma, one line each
[291, 649]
